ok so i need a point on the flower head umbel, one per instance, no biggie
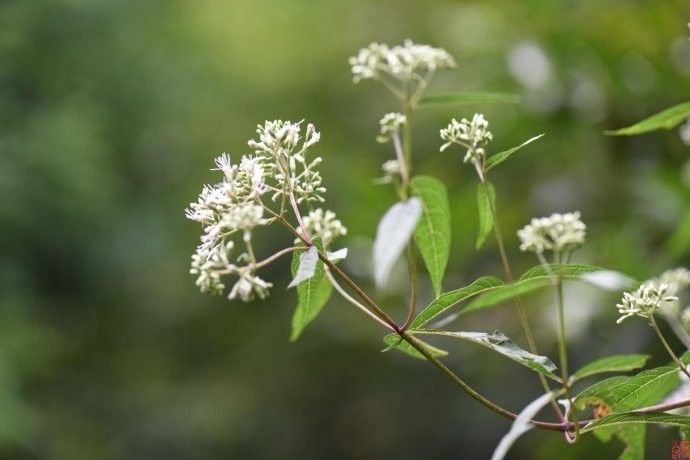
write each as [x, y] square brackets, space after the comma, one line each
[324, 225]
[473, 135]
[557, 233]
[645, 301]
[236, 206]
[399, 66]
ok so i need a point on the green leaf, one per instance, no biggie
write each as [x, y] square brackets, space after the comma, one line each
[498, 158]
[486, 203]
[626, 393]
[498, 342]
[614, 363]
[633, 436]
[433, 230]
[395, 342]
[628, 418]
[312, 294]
[536, 278]
[451, 298]
[667, 119]
[563, 271]
[469, 98]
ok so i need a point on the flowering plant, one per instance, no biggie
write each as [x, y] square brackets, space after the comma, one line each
[279, 182]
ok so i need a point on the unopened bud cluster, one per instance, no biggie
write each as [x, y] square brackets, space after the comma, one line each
[473, 135]
[645, 301]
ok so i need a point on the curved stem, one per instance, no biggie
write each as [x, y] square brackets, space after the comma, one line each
[680, 364]
[563, 426]
[679, 330]
[277, 255]
[354, 302]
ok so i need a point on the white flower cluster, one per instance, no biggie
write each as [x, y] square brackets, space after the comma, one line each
[324, 225]
[405, 69]
[645, 301]
[224, 209]
[390, 126]
[557, 233]
[284, 159]
[279, 166]
[403, 62]
[473, 135]
[676, 280]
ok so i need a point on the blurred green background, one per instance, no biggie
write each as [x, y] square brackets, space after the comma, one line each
[111, 113]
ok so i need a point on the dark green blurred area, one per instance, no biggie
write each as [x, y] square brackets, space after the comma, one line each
[110, 115]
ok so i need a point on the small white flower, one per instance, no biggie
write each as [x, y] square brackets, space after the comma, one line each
[390, 126]
[558, 232]
[645, 301]
[473, 135]
[249, 285]
[324, 225]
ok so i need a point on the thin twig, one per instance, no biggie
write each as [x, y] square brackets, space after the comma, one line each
[354, 302]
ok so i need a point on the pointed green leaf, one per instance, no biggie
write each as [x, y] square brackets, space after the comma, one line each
[498, 342]
[433, 230]
[486, 203]
[395, 342]
[470, 98]
[449, 299]
[498, 158]
[626, 393]
[629, 418]
[312, 294]
[667, 119]
[614, 363]
[536, 278]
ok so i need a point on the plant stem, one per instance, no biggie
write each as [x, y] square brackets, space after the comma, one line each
[563, 356]
[679, 330]
[518, 302]
[298, 216]
[412, 264]
[680, 364]
[354, 302]
[277, 255]
[562, 345]
[563, 426]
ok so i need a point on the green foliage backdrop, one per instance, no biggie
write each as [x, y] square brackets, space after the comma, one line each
[111, 112]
